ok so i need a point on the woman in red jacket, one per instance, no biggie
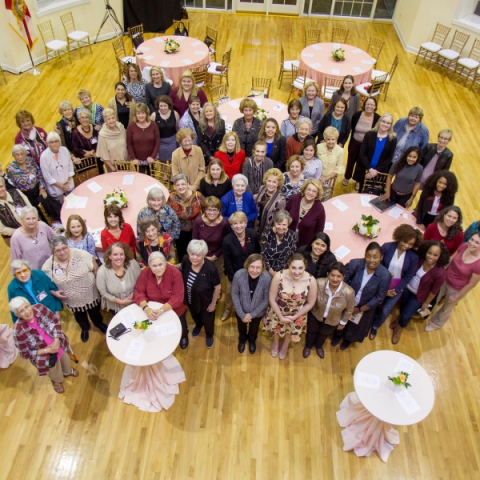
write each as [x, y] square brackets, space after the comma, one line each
[231, 154]
[116, 229]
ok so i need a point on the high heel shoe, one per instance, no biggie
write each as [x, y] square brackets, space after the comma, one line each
[274, 351]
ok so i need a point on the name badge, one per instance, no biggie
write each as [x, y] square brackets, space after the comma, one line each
[18, 209]
[31, 177]
[93, 141]
[59, 271]
[41, 296]
[59, 168]
[67, 128]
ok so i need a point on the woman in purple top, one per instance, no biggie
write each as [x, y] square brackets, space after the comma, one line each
[182, 93]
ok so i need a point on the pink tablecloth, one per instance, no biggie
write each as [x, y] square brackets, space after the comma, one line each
[230, 112]
[8, 351]
[343, 221]
[192, 53]
[317, 60]
[154, 387]
[363, 432]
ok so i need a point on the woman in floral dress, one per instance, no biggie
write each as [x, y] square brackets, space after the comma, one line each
[292, 295]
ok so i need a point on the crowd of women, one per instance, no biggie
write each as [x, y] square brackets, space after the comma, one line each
[247, 206]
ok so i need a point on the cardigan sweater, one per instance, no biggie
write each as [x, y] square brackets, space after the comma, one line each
[353, 104]
[132, 107]
[444, 161]
[209, 143]
[192, 166]
[276, 202]
[356, 117]
[247, 138]
[278, 153]
[344, 131]
[312, 223]
[234, 255]
[229, 206]
[431, 282]
[317, 111]
[257, 305]
[233, 168]
[248, 169]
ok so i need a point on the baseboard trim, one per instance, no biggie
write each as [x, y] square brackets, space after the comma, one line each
[405, 46]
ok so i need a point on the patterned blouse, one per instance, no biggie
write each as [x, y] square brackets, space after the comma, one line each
[289, 189]
[81, 143]
[277, 254]
[188, 121]
[96, 116]
[34, 144]
[25, 180]
[187, 210]
[313, 170]
[87, 243]
[166, 216]
[136, 90]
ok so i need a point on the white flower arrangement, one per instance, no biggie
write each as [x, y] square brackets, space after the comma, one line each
[261, 114]
[368, 227]
[171, 46]
[117, 197]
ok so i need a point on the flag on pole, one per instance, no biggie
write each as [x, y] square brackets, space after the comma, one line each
[20, 20]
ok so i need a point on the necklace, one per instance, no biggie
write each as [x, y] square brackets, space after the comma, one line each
[85, 131]
[33, 238]
[120, 276]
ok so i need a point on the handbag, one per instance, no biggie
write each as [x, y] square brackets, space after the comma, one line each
[119, 330]
[208, 41]
[181, 30]
[137, 39]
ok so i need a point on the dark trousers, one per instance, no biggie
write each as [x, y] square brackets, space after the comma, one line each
[353, 152]
[383, 311]
[183, 321]
[204, 319]
[94, 314]
[182, 243]
[317, 332]
[248, 331]
[52, 207]
[428, 219]
[400, 199]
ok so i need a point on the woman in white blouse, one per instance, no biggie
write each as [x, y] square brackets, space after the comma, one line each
[330, 154]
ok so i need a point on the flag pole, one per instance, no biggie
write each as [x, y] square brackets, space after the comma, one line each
[33, 71]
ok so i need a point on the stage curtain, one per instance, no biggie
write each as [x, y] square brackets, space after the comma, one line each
[155, 15]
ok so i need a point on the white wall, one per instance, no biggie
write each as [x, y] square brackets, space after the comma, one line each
[88, 17]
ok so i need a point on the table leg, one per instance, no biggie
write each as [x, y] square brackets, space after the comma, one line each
[363, 433]
[154, 387]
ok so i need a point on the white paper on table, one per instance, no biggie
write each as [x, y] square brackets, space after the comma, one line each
[153, 185]
[404, 365]
[278, 107]
[366, 62]
[97, 235]
[194, 44]
[135, 349]
[336, 45]
[128, 179]
[357, 69]
[405, 215]
[317, 47]
[367, 380]
[148, 57]
[258, 101]
[158, 40]
[307, 54]
[340, 205]
[72, 201]
[316, 65]
[234, 104]
[165, 329]
[128, 318]
[407, 402]
[395, 212]
[356, 50]
[187, 61]
[224, 117]
[341, 251]
[199, 52]
[328, 226]
[335, 71]
[144, 49]
[228, 127]
[165, 63]
[365, 201]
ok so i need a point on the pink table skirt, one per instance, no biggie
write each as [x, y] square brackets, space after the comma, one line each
[363, 433]
[8, 351]
[317, 60]
[192, 53]
[154, 387]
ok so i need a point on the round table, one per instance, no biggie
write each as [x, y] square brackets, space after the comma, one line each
[8, 350]
[317, 60]
[339, 224]
[93, 212]
[152, 374]
[192, 53]
[230, 110]
[368, 413]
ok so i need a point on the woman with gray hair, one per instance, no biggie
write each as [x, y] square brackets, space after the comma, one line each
[158, 207]
[39, 337]
[202, 288]
[66, 125]
[295, 142]
[73, 271]
[163, 283]
[187, 205]
[112, 140]
[85, 136]
[239, 200]
[57, 168]
[30, 241]
[33, 285]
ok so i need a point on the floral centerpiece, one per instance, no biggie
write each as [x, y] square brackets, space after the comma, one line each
[142, 326]
[338, 55]
[400, 379]
[261, 114]
[117, 197]
[367, 227]
[171, 46]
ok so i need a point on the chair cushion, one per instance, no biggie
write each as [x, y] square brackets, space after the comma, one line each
[212, 68]
[379, 73]
[468, 63]
[362, 90]
[374, 61]
[258, 93]
[431, 46]
[56, 45]
[287, 65]
[329, 93]
[78, 35]
[447, 53]
[300, 82]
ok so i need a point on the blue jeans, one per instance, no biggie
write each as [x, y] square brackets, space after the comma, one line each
[408, 308]
[383, 311]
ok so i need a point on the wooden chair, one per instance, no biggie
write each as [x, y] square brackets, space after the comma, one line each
[286, 66]
[330, 86]
[328, 188]
[216, 92]
[260, 87]
[162, 171]
[121, 53]
[53, 46]
[122, 70]
[134, 32]
[476, 78]
[85, 170]
[375, 185]
[470, 63]
[339, 35]
[125, 166]
[374, 48]
[300, 79]
[213, 35]
[2, 73]
[375, 90]
[44, 214]
[435, 45]
[379, 73]
[312, 36]
[447, 57]
[223, 67]
[74, 36]
[200, 74]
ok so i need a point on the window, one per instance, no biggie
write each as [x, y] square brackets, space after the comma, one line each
[468, 15]
[44, 7]
[321, 7]
[352, 8]
[477, 9]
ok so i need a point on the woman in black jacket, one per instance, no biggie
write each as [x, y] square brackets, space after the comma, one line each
[210, 131]
[318, 255]
[276, 143]
[202, 288]
[444, 155]
[338, 119]
[376, 151]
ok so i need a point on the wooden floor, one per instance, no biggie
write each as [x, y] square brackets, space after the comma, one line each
[243, 416]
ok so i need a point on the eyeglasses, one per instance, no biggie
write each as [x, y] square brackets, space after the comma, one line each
[212, 210]
[54, 141]
[62, 249]
[22, 272]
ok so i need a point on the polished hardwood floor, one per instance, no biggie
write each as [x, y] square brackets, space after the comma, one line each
[246, 416]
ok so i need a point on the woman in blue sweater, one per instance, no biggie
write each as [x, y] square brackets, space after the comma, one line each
[239, 200]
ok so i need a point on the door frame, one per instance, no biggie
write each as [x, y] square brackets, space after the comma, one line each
[268, 7]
